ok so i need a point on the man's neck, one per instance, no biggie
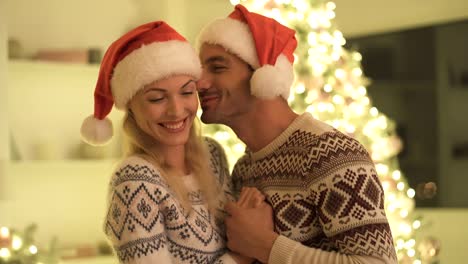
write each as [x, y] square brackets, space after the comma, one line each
[266, 122]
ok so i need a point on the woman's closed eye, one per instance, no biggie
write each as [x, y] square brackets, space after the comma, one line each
[156, 99]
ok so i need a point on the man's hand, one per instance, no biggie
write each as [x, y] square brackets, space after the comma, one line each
[249, 229]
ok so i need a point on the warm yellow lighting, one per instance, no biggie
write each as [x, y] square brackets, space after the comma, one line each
[362, 90]
[16, 243]
[310, 109]
[239, 147]
[33, 249]
[357, 56]
[5, 253]
[401, 186]
[300, 4]
[374, 112]
[312, 39]
[396, 175]
[331, 6]
[385, 185]
[299, 16]
[405, 228]
[340, 73]
[350, 128]
[400, 243]
[222, 135]
[336, 123]
[417, 261]
[411, 193]
[336, 56]
[300, 88]
[322, 49]
[416, 224]
[322, 107]
[327, 88]
[357, 72]
[234, 2]
[365, 101]
[404, 213]
[4, 232]
[338, 99]
[411, 253]
[312, 96]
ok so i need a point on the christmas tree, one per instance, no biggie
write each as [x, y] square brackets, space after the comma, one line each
[331, 86]
[19, 247]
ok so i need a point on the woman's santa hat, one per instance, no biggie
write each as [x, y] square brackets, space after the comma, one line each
[148, 53]
[263, 43]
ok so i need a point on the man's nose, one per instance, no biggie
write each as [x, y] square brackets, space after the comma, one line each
[204, 82]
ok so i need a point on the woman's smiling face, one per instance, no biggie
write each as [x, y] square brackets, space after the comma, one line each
[165, 109]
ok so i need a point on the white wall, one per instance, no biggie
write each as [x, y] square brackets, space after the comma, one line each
[4, 124]
[363, 17]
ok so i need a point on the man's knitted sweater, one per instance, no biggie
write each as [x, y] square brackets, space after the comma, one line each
[327, 200]
[146, 223]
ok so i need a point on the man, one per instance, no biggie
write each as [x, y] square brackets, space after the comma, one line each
[328, 203]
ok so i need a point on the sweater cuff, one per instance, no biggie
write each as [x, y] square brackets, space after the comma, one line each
[282, 250]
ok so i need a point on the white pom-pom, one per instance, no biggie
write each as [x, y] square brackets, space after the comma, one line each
[96, 132]
[269, 81]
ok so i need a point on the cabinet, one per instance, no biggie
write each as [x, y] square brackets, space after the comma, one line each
[47, 102]
[418, 80]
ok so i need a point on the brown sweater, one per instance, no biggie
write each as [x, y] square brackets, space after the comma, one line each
[325, 194]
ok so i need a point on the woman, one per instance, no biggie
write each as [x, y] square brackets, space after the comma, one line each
[166, 197]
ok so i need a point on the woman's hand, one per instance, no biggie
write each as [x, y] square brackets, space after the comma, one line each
[249, 228]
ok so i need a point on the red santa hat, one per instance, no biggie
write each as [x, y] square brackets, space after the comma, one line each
[263, 43]
[148, 53]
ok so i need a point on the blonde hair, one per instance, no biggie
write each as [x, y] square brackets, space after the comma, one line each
[197, 158]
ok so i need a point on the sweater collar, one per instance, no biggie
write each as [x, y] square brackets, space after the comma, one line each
[281, 139]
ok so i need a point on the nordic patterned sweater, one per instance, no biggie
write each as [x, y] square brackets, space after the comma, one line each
[327, 200]
[146, 224]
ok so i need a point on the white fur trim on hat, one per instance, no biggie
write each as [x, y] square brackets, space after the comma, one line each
[150, 63]
[233, 35]
[96, 132]
[270, 81]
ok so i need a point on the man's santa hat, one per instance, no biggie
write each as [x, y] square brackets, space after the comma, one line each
[148, 53]
[265, 44]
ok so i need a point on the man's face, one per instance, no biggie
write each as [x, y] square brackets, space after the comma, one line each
[224, 88]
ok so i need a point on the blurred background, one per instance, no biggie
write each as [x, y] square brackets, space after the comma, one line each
[53, 187]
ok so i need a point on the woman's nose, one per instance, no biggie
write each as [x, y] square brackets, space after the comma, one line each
[174, 107]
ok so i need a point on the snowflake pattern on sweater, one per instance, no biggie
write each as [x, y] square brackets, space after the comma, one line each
[146, 224]
[323, 188]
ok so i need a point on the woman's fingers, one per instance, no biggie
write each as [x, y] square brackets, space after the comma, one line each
[250, 197]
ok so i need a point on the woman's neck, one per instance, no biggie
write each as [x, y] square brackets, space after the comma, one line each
[174, 157]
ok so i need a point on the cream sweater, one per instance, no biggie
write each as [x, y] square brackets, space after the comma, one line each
[146, 224]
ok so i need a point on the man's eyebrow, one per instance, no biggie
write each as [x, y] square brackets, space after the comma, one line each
[214, 59]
